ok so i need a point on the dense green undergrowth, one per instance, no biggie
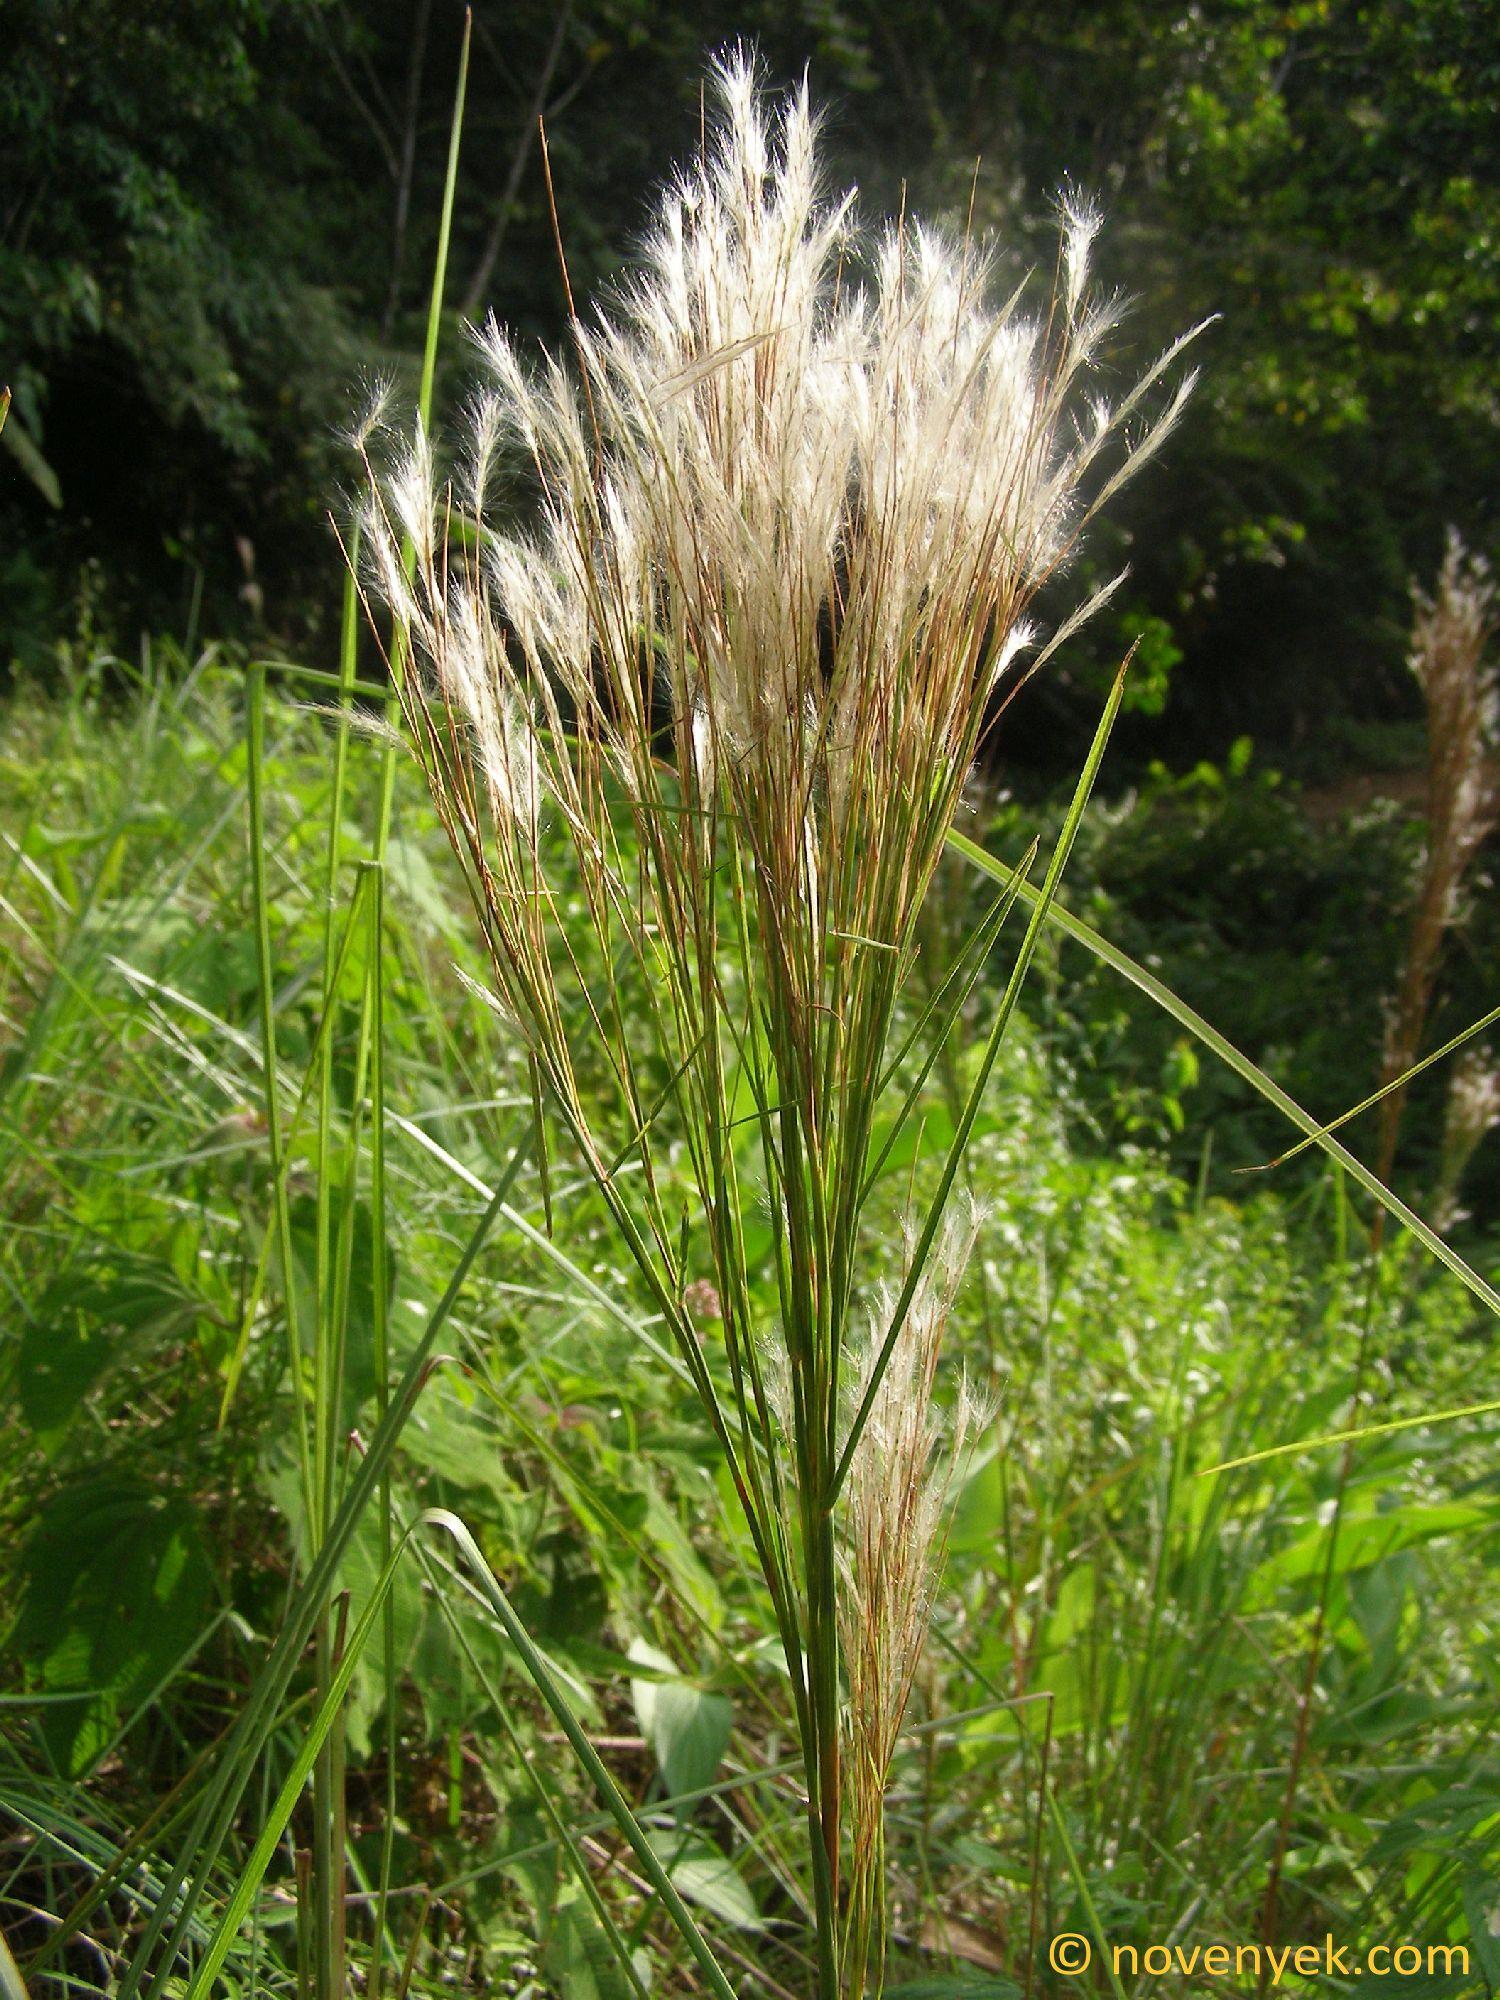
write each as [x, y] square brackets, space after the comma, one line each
[1149, 1693]
[1283, 916]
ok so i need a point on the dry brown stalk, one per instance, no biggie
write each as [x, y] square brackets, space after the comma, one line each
[1451, 630]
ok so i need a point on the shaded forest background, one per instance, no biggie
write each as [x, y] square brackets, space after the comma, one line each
[217, 219]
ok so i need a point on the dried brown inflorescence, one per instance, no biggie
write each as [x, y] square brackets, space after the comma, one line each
[1451, 631]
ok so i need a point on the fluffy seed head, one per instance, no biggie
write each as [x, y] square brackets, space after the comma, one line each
[788, 522]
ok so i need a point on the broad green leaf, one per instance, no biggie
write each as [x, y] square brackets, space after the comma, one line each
[81, 1322]
[1367, 1539]
[708, 1878]
[1073, 1609]
[565, 1598]
[115, 1592]
[688, 1730]
[979, 1513]
[690, 1575]
[62, 1355]
[579, 1959]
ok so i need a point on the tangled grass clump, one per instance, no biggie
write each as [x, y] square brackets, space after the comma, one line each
[788, 529]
